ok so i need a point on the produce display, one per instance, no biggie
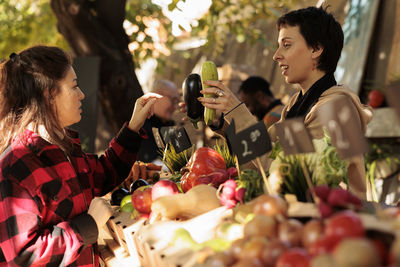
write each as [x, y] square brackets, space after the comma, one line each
[206, 166]
[203, 217]
[324, 165]
[206, 211]
[148, 172]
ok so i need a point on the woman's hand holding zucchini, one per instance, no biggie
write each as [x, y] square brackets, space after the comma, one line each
[223, 103]
[205, 95]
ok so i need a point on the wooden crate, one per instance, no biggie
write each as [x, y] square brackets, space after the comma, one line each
[168, 257]
[152, 240]
[122, 227]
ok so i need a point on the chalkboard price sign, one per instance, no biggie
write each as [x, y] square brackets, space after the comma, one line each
[180, 140]
[178, 137]
[294, 137]
[340, 120]
[249, 143]
[166, 133]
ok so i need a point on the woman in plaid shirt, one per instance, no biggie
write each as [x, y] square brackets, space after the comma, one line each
[50, 212]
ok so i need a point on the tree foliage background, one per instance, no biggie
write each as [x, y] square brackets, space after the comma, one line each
[27, 22]
[147, 28]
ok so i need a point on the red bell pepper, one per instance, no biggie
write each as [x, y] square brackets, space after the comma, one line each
[206, 166]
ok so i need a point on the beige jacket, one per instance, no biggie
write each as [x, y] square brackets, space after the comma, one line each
[243, 119]
[356, 169]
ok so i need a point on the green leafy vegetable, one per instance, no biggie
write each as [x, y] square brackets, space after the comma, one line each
[386, 152]
[224, 151]
[175, 161]
[324, 166]
[252, 181]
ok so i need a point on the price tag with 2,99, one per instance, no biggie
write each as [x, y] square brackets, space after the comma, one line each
[341, 120]
[294, 137]
[249, 143]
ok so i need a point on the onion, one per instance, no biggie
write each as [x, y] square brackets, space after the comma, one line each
[290, 232]
[237, 247]
[248, 263]
[253, 248]
[261, 225]
[271, 205]
[272, 251]
[220, 259]
[356, 252]
[312, 231]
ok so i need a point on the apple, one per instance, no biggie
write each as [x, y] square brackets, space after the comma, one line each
[125, 200]
[270, 205]
[141, 199]
[294, 257]
[344, 224]
[162, 188]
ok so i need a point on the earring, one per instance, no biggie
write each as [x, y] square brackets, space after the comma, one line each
[314, 66]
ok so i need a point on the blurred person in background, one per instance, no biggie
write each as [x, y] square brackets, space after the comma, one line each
[50, 205]
[254, 92]
[164, 109]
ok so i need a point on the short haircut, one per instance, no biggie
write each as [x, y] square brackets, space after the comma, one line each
[319, 28]
[254, 84]
[160, 86]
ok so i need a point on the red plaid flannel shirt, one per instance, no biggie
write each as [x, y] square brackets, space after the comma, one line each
[44, 199]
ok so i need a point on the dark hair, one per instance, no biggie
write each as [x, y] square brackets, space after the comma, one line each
[254, 84]
[318, 28]
[29, 81]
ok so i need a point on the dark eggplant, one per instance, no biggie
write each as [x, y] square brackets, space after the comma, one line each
[136, 184]
[117, 195]
[191, 91]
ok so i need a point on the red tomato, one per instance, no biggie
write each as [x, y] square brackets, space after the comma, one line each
[375, 98]
[344, 224]
[323, 245]
[204, 161]
[294, 257]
